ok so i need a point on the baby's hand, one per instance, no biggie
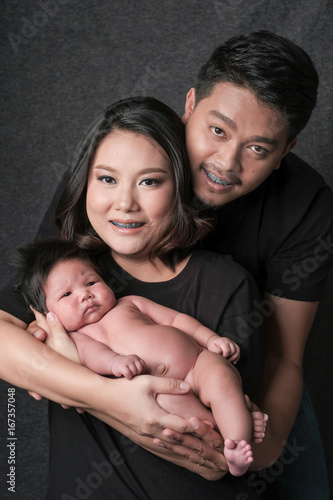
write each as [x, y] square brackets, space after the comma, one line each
[128, 366]
[224, 346]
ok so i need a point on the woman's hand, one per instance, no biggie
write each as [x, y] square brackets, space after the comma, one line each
[200, 445]
[56, 336]
[135, 413]
[49, 330]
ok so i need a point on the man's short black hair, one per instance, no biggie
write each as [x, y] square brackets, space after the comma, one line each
[276, 70]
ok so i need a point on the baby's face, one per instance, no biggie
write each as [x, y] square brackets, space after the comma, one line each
[77, 294]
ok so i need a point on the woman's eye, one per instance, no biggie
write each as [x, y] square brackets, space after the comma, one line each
[106, 179]
[150, 182]
[217, 131]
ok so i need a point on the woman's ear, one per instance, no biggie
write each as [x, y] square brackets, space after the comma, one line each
[189, 105]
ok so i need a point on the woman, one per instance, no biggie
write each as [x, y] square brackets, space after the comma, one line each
[129, 192]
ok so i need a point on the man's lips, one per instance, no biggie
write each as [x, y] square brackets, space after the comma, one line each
[216, 180]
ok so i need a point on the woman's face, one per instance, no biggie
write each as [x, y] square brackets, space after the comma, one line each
[130, 194]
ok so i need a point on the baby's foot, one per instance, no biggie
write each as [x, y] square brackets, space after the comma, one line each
[238, 455]
[259, 420]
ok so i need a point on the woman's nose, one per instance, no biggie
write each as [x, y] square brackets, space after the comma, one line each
[126, 200]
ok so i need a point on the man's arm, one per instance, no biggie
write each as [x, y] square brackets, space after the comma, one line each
[287, 329]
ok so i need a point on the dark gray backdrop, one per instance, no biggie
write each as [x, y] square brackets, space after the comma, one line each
[62, 63]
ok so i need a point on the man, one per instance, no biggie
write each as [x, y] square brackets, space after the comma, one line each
[253, 97]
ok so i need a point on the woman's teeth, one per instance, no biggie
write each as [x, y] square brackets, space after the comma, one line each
[133, 225]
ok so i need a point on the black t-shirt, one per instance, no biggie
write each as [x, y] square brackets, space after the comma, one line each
[220, 294]
[217, 292]
[282, 232]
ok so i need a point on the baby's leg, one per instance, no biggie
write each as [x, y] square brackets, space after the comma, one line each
[186, 406]
[219, 386]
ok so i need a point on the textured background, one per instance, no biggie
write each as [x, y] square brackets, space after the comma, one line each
[62, 63]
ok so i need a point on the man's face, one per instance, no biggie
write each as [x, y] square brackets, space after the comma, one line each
[234, 143]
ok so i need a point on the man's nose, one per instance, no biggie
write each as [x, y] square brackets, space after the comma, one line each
[228, 157]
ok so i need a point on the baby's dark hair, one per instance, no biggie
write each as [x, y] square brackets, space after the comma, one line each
[36, 260]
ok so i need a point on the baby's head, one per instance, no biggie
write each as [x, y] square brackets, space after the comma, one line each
[58, 276]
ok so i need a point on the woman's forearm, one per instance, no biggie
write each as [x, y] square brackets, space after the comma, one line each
[29, 364]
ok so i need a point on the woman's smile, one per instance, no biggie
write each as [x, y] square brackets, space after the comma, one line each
[121, 225]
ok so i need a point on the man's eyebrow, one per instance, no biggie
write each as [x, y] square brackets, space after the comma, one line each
[224, 118]
[232, 124]
[266, 140]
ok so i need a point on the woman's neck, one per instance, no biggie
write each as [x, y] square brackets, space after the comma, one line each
[150, 271]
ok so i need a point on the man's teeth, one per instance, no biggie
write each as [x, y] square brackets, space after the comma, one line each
[216, 179]
[127, 226]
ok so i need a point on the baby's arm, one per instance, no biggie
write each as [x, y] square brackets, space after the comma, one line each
[205, 337]
[101, 359]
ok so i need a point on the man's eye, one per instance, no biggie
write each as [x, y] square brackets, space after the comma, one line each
[217, 131]
[259, 150]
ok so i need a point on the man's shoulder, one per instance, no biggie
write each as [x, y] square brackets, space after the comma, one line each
[217, 264]
[295, 173]
[296, 187]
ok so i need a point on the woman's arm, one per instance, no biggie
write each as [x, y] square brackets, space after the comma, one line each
[32, 365]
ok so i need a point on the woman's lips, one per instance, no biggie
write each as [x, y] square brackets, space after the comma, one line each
[127, 225]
